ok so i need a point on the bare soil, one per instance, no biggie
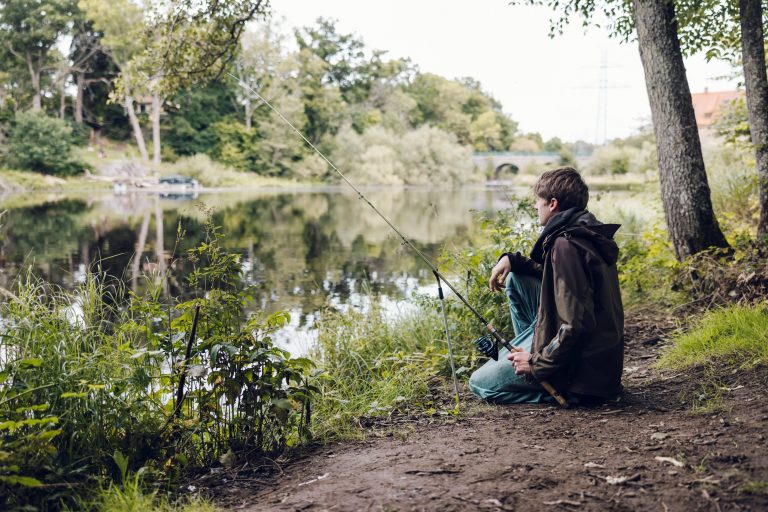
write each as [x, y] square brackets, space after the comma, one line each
[647, 451]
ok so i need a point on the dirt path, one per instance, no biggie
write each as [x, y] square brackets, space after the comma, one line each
[645, 452]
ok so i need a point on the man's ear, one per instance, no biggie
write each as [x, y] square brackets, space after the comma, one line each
[554, 205]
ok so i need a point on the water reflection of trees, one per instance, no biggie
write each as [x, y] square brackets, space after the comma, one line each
[297, 248]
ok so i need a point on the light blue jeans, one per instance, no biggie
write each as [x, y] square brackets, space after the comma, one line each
[496, 381]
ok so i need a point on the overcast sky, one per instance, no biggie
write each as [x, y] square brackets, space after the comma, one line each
[550, 86]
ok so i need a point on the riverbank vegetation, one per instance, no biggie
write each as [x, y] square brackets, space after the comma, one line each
[104, 387]
[159, 390]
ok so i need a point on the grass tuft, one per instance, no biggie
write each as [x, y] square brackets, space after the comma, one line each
[737, 334]
[756, 488]
[132, 497]
[375, 367]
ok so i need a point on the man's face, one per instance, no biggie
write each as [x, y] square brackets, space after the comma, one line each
[546, 208]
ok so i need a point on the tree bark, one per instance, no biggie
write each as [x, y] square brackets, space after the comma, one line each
[137, 133]
[248, 114]
[136, 128]
[79, 98]
[156, 106]
[34, 72]
[753, 57]
[685, 192]
[63, 99]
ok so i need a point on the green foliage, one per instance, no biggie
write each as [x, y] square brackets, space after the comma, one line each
[188, 42]
[210, 173]
[461, 108]
[133, 496]
[30, 29]
[98, 379]
[43, 144]
[615, 15]
[425, 155]
[28, 432]
[634, 154]
[192, 113]
[237, 146]
[736, 334]
[374, 365]
[509, 230]
[732, 124]
[648, 270]
[734, 187]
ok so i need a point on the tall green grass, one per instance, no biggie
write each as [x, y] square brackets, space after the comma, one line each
[375, 366]
[133, 496]
[736, 334]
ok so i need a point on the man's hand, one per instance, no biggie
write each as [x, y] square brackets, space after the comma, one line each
[521, 361]
[499, 274]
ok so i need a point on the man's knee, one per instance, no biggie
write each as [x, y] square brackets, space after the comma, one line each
[480, 383]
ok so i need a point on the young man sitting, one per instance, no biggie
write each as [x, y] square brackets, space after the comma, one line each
[565, 304]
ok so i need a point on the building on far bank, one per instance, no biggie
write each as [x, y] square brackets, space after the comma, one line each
[707, 106]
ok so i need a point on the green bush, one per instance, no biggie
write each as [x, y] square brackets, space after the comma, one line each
[632, 155]
[426, 155]
[42, 144]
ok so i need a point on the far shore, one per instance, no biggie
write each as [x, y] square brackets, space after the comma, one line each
[15, 183]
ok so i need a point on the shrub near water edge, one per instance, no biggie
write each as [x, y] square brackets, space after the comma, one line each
[91, 377]
[42, 144]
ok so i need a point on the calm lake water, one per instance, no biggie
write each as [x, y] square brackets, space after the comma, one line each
[303, 250]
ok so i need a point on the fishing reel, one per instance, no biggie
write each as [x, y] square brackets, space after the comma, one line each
[487, 347]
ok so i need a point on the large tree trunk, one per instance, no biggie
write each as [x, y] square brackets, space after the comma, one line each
[684, 189]
[79, 98]
[753, 56]
[156, 106]
[136, 127]
[34, 73]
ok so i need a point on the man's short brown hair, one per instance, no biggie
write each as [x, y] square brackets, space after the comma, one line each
[564, 184]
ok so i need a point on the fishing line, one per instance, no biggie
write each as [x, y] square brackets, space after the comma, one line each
[415, 249]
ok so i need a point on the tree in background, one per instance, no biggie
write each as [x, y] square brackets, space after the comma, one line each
[462, 108]
[753, 56]
[263, 65]
[121, 23]
[735, 32]
[29, 30]
[164, 55]
[685, 190]
[84, 52]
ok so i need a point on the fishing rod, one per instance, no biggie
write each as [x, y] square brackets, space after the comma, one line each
[440, 277]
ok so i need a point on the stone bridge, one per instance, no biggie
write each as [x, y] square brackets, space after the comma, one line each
[514, 162]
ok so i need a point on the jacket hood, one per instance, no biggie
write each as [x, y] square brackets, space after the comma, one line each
[579, 225]
[587, 227]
